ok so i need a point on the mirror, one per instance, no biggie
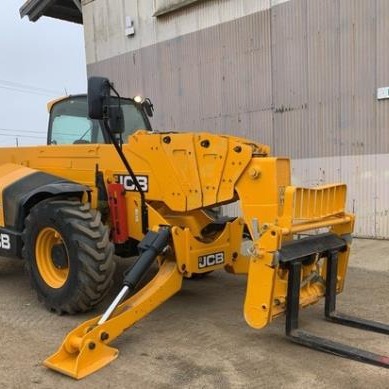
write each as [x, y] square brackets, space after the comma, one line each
[98, 97]
[116, 119]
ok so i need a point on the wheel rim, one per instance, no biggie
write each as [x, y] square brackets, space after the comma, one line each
[52, 273]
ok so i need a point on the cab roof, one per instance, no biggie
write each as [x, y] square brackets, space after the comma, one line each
[51, 103]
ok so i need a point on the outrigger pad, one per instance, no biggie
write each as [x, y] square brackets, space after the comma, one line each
[92, 357]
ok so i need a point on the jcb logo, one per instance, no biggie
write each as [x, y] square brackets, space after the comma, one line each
[129, 185]
[211, 260]
[5, 242]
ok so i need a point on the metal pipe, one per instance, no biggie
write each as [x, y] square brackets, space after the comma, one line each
[113, 305]
[152, 244]
[310, 226]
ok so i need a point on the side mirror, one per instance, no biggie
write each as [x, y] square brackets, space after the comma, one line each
[98, 96]
[100, 106]
[116, 120]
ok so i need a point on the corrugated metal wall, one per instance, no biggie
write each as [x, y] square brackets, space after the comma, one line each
[300, 76]
[217, 79]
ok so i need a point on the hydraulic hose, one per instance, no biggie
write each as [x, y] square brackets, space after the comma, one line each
[150, 247]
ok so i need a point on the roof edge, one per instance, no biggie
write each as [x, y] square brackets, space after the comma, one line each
[33, 9]
[68, 11]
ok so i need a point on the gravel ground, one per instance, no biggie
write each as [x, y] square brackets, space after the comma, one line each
[199, 338]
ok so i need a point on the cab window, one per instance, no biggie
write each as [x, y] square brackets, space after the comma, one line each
[71, 129]
[69, 122]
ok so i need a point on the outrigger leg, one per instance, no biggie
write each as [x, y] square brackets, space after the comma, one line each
[86, 349]
[291, 260]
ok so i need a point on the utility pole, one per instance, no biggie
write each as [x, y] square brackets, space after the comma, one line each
[17, 142]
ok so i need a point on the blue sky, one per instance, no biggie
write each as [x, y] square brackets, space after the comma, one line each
[38, 61]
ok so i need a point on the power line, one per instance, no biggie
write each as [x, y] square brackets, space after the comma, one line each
[19, 130]
[29, 91]
[35, 88]
[24, 136]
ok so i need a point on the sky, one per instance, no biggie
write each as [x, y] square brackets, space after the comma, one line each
[38, 62]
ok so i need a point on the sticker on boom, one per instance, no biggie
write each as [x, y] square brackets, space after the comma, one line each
[211, 260]
[129, 185]
[5, 242]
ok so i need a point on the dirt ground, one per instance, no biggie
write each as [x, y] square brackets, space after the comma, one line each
[199, 338]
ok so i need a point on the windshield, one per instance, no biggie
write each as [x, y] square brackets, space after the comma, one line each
[69, 122]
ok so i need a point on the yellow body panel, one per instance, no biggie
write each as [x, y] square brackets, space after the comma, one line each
[182, 174]
[9, 173]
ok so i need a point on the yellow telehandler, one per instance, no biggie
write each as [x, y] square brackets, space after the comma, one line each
[99, 186]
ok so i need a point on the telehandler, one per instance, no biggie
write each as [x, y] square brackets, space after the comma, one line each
[98, 187]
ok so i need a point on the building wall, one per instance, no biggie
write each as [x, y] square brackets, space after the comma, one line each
[299, 75]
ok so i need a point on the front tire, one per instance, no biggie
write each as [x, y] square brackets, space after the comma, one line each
[68, 255]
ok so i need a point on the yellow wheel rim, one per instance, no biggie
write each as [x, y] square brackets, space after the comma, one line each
[52, 274]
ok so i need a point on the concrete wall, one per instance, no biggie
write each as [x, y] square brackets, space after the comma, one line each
[105, 22]
[299, 75]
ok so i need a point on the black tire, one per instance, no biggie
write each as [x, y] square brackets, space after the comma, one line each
[78, 275]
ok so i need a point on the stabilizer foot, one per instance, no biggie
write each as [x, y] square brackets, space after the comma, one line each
[85, 349]
[81, 364]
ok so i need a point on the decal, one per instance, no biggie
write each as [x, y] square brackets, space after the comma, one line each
[5, 242]
[211, 260]
[128, 183]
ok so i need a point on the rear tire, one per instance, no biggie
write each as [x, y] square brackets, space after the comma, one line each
[68, 255]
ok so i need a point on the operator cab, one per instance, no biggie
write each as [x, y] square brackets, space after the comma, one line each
[69, 122]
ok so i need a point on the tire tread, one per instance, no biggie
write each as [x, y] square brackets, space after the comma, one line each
[95, 253]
